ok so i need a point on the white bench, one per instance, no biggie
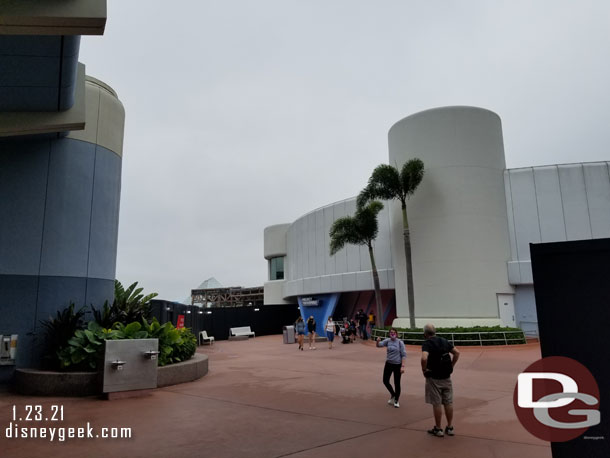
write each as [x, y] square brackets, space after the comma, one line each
[203, 338]
[241, 331]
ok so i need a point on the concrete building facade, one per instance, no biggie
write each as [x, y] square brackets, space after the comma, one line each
[61, 152]
[471, 223]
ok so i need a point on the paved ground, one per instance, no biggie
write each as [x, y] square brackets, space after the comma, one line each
[262, 398]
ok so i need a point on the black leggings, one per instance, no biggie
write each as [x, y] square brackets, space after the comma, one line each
[387, 371]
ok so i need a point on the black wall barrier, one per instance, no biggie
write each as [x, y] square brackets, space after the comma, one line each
[572, 289]
[263, 319]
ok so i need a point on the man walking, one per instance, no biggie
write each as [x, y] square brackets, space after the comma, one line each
[437, 366]
[362, 319]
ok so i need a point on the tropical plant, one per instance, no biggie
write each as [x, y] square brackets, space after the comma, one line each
[360, 229]
[389, 183]
[58, 330]
[129, 305]
[107, 315]
[85, 349]
[175, 345]
[131, 300]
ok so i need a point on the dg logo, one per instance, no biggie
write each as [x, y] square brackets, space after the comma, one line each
[557, 399]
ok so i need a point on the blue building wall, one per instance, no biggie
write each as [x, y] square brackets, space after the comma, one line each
[321, 312]
[58, 233]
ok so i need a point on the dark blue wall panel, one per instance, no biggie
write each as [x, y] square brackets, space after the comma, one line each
[26, 301]
[65, 242]
[23, 182]
[58, 233]
[99, 291]
[29, 71]
[28, 98]
[18, 295]
[33, 45]
[38, 73]
[105, 214]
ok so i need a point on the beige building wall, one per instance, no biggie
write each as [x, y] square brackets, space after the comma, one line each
[458, 217]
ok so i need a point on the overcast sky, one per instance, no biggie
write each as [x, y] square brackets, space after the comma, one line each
[244, 114]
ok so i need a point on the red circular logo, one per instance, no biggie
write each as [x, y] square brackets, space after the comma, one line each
[557, 399]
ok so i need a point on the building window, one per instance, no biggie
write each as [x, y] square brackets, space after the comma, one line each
[276, 268]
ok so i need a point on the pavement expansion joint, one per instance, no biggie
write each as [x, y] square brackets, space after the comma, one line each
[275, 409]
[335, 442]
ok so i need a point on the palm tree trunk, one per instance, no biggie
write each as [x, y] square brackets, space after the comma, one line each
[380, 322]
[407, 240]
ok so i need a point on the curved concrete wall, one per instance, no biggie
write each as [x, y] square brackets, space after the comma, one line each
[552, 204]
[275, 240]
[309, 268]
[458, 219]
[59, 224]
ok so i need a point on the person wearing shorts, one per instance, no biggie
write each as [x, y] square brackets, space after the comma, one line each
[311, 329]
[299, 327]
[437, 367]
[330, 332]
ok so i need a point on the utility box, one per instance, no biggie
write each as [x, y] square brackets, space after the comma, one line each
[289, 335]
[8, 349]
[130, 364]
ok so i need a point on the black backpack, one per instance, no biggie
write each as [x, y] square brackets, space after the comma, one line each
[441, 368]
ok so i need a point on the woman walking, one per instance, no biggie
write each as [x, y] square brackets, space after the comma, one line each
[299, 327]
[311, 328]
[395, 364]
[330, 332]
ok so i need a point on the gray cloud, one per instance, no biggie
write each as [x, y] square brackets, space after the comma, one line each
[245, 114]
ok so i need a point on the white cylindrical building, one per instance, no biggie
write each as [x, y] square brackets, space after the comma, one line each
[457, 217]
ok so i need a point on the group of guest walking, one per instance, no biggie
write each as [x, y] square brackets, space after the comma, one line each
[300, 326]
[438, 358]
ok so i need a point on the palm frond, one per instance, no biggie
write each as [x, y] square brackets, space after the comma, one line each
[343, 231]
[366, 220]
[411, 175]
[384, 184]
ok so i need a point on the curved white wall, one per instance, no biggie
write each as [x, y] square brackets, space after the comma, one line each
[275, 240]
[458, 219]
[552, 204]
[309, 268]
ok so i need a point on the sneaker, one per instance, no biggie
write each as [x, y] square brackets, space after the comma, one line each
[449, 431]
[396, 404]
[438, 432]
[391, 401]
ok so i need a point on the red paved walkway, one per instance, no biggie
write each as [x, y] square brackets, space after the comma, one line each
[266, 399]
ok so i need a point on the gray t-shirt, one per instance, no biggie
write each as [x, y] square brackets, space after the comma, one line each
[396, 350]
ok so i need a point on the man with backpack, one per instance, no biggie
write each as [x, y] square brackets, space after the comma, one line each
[437, 366]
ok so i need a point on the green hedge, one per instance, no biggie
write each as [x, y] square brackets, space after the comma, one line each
[494, 335]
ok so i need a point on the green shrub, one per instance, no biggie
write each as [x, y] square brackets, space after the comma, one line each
[493, 334]
[186, 347]
[58, 331]
[129, 305]
[86, 348]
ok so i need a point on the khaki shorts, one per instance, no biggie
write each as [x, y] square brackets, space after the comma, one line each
[439, 391]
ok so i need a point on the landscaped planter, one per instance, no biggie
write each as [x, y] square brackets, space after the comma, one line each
[187, 371]
[33, 382]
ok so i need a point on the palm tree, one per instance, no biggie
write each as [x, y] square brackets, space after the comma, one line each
[386, 183]
[360, 229]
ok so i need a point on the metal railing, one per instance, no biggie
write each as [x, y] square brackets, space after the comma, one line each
[474, 338]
